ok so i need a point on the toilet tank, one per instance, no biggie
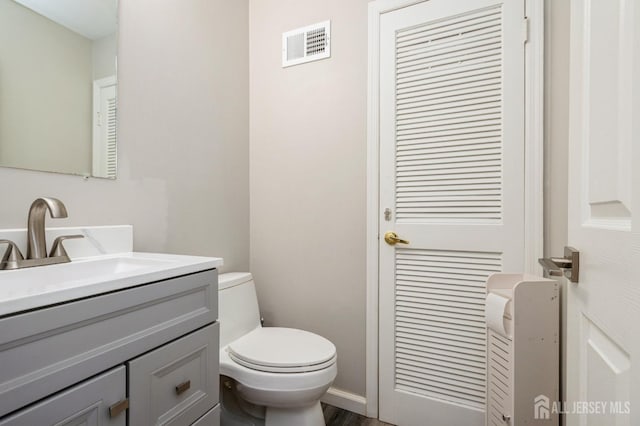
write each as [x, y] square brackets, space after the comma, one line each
[238, 306]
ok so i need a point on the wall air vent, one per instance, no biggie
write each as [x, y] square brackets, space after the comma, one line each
[306, 44]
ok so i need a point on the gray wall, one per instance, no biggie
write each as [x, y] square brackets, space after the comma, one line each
[556, 118]
[45, 75]
[557, 19]
[308, 171]
[183, 97]
[308, 177]
[103, 52]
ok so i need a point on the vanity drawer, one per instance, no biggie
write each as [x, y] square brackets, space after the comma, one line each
[212, 418]
[177, 383]
[50, 349]
[84, 404]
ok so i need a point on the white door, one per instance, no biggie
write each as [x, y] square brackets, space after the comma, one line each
[452, 183]
[603, 312]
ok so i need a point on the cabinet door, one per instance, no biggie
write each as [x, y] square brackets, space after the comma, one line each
[177, 383]
[84, 404]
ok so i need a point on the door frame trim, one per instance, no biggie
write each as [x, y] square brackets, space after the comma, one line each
[533, 33]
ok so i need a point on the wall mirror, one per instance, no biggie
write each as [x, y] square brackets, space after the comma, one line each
[58, 86]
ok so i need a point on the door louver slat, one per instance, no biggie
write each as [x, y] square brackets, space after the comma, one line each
[442, 56]
[439, 323]
[475, 73]
[480, 33]
[438, 30]
[452, 72]
[449, 119]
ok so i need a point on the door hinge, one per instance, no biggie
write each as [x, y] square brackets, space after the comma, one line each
[525, 30]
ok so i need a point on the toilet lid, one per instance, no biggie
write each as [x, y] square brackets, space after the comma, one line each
[278, 350]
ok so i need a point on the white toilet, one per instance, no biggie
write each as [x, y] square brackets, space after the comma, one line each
[269, 375]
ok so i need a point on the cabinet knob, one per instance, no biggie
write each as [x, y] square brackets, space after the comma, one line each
[118, 407]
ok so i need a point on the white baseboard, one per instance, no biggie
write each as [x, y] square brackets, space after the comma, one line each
[346, 400]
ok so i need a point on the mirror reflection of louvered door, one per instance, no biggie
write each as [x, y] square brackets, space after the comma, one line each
[452, 179]
[105, 152]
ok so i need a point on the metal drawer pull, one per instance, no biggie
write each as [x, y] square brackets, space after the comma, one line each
[182, 387]
[118, 407]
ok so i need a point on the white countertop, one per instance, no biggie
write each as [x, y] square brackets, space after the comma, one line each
[37, 287]
[32, 288]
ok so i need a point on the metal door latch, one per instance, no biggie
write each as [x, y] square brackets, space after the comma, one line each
[567, 266]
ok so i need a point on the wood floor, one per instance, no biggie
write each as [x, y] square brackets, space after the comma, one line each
[336, 417]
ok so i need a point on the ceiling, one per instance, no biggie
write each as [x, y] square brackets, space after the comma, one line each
[92, 19]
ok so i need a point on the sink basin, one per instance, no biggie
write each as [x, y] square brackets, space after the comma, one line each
[80, 270]
[37, 287]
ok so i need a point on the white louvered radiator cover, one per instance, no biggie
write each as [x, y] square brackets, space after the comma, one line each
[523, 378]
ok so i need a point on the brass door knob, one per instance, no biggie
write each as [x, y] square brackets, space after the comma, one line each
[392, 239]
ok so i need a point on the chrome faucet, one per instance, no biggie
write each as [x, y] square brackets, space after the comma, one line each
[36, 242]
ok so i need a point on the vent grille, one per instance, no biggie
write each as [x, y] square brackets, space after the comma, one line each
[440, 323]
[499, 388]
[306, 44]
[316, 41]
[449, 119]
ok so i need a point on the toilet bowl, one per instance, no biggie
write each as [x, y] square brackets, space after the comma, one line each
[275, 376]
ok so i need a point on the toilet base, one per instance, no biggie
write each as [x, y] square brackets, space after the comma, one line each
[300, 416]
[238, 412]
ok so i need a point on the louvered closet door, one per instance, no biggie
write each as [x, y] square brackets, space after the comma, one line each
[452, 177]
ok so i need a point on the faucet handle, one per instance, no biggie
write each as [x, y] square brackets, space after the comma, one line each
[11, 255]
[57, 249]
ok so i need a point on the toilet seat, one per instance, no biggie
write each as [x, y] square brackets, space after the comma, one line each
[282, 350]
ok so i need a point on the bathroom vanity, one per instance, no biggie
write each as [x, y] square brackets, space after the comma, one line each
[113, 338]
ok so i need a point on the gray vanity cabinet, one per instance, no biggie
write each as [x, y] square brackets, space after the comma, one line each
[85, 404]
[173, 384]
[146, 355]
[211, 418]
